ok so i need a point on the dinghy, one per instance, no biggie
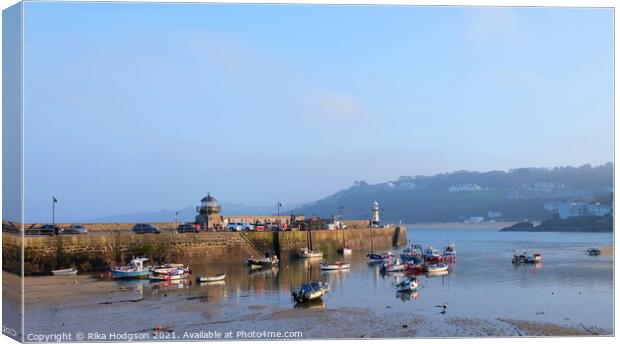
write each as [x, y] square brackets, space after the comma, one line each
[214, 278]
[339, 265]
[64, 272]
[306, 253]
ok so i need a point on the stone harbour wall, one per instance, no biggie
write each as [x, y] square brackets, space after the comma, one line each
[101, 250]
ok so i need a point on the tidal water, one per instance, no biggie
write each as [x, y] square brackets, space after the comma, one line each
[568, 287]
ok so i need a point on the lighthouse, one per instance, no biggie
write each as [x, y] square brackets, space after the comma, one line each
[375, 222]
[208, 212]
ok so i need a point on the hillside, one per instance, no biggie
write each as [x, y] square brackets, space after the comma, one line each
[517, 194]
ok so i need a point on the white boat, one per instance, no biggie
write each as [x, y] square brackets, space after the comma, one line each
[410, 284]
[347, 251]
[336, 266]
[214, 278]
[135, 269]
[306, 253]
[434, 268]
[388, 267]
[310, 291]
[64, 272]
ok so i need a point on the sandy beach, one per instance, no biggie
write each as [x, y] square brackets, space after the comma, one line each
[77, 299]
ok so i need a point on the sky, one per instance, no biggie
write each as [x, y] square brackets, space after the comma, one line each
[137, 107]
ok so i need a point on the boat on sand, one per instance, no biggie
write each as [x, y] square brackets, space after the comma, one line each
[310, 291]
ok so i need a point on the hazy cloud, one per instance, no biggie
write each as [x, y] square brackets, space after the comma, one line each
[335, 107]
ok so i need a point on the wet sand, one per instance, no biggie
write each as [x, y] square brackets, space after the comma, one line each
[607, 251]
[77, 300]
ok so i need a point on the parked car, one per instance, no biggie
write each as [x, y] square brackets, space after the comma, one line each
[235, 227]
[273, 227]
[142, 228]
[46, 230]
[75, 229]
[247, 227]
[187, 228]
[259, 227]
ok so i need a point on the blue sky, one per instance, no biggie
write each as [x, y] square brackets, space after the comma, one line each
[133, 107]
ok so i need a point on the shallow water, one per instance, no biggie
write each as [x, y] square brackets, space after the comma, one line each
[568, 287]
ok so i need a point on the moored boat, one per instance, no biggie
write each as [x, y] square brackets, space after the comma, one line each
[411, 252]
[213, 278]
[339, 265]
[64, 272]
[449, 253]
[594, 251]
[346, 251]
[266, 261]
[306, 253]
[390, 266]
[434, 268]
[431, 254]
[135, 269]
[378, 258]
[408, 285]
[310, 291]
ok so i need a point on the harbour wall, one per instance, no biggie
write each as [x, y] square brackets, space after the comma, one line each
[329, 241]
[101, 250]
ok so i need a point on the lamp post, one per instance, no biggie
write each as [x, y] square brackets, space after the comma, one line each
[54, 201]
[279, 224]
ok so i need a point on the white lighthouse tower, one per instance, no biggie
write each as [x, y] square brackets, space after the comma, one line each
[375, 222]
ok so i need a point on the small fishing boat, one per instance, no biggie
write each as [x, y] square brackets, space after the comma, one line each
[264, 262]
[64, 272]
[392, 267]
[412, 252]
[416, 265]
[213, 278]
[449, 253]
[434, 268]
[523, 258]
[594, 251]
[431, 254]
[408, 285]
[339, 265]
[310, 291]
[170, 268]
[378, 258]
[306, 253]
[135, 269]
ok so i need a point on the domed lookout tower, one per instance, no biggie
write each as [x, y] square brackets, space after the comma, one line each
[376, 221]
[208, 212]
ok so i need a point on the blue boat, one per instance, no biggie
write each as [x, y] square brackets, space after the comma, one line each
[135, 269]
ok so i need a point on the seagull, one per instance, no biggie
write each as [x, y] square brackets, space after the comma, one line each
[444, 306]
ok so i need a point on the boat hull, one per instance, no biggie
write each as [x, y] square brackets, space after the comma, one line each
[215, 278]
[130, 274]
[64, 272]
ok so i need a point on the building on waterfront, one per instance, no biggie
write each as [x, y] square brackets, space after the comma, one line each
[576, 208]
[209, 213]
[465, 188]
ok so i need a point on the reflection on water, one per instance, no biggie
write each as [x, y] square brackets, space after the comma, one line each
[481, 283]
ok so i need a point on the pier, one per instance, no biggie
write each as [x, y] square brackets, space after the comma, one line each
[113, 244]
